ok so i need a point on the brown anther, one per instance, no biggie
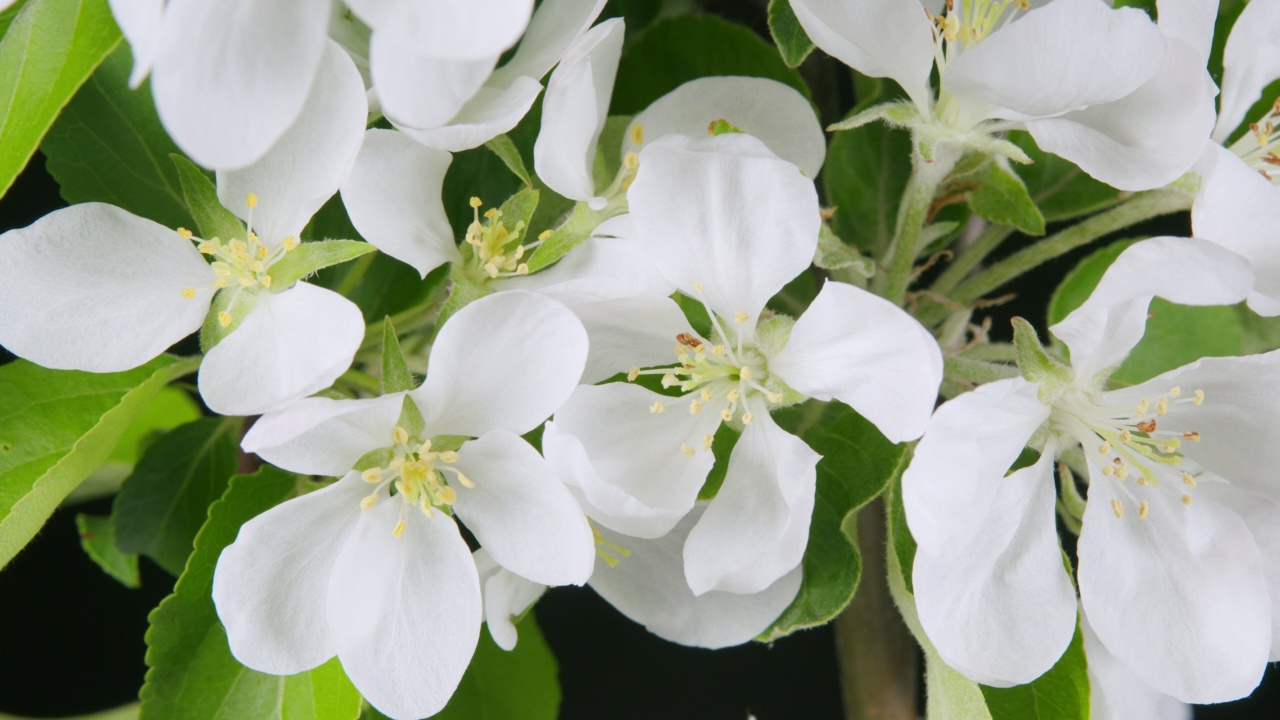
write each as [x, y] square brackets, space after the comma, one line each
[1147, 426]
[689, 341]
[1191, 435]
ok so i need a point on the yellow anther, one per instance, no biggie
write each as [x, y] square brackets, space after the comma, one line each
[733, 395]
[747, 418]
[1188, 480]
[368, 501]
[1191, 435]
[633, 373]
[1117, 508]
[1122, 472]
[372, 475]
[1162, 407]
[670, 380]
[1142, 510]
[744, 373]
[465, 481]
[695, 407]
[1186, 499]
[698, 287]
[705, 395]
[492, 213]
[184, 233]
[637, 134]
[398, 530]
[209, 247]
[718, 350]
[266, 281]
[189, 293]
[1199, 397]
[449, 456]
[707, 441]
[1125, 435]
[251, 200]
[774, 397]
[447, 495]
[522, 268]
[224, 318]
[476, 203]
[686, 450]
[631, 161]
[1104, 448]
[741, 317]
[1169, 448]
[545, 235]
[289, 243]
[262, 253]
[427, 510]
[1175, 391]
[1143, 407]
[726, 414]
[1108, 471]
[657, 407]
[399, 435]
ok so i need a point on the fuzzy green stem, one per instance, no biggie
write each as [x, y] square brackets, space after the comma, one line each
[976, 371]
[970, 257]
[913, 214]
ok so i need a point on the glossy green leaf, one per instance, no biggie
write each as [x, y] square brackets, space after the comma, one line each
[396, 376]
[865, 175]
[857, 464]
[521, 684]
[1062, 693]
[674, 51]
[163, 504]
[201, 195]
[1059, 188]
[310, 257]
[506, 150]
[48, 52]
[98, 539]
[170, 408]
[192, 674]
[793, 43]
[8, 15]
[56, 427]
[108, 146]
[1001, 197]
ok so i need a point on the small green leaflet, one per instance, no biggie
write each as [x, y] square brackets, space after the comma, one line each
[396, 376]
[1001, 197]
[793, 43]
[309, 257]
[1062, 693]
[192, 674]
[98, 539]
[506, 150]
[201, 195]
[56, 427]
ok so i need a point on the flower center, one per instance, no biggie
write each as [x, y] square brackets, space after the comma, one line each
[497, 250]
[416, 474]
[610, 553]
[971, 23]
[1132, 442]
[1258, 146]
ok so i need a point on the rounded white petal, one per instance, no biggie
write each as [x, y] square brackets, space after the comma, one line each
[726, 215]
[310, 161]
[1102, 331]
[612, 264]
[322, 436]
[628, 461]
[505, 362]
[527, 520]
[1179, 596]
[1190, 21]
[92, 287]
[773, 112]
[270, 584]
[393, 196]
[628, 333]
[292, 344]
[574, 110]
[404, 612]
[999, 605]
[555, 24]
[463, 30]
[492, 111]
[1250, 62]
[648, 586]
[1065, 55]
[421, 89]
[1115, 693]
[506, 597]
[880, 38]
[1147, 139]
[756, 529]
[140, 22]
[866, 352]
[230, 77]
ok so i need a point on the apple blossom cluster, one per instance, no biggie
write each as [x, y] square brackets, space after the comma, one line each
[630, 394]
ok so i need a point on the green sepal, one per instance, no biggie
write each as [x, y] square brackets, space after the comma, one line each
[396, 376]
[238, 303]
[212, 219]
[571, 233]
[509, 154]
[1052, 376]
[463, 290]
[900, 114]
[793, 43]
[517, 211]
[411, 418]
[1001, 197]
[309, 257]
[834, 254]
[98, 538]
[379, 458]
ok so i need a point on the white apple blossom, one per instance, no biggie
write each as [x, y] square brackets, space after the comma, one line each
[1115, 693]
[385, 581]
[93, 287]
[1170, 573]
[729, 223]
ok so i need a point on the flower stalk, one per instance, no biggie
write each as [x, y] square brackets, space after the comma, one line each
[913, 215]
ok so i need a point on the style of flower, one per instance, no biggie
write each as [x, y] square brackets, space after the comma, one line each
[1170, 574]
[1101, 87]
[729, 223]
[93, 287]
[373, 568]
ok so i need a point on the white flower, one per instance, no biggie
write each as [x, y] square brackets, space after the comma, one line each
[1056, 69]
[1170, 575]
[385, 582]
[92, 287]
[729, 223]
[1116, 694]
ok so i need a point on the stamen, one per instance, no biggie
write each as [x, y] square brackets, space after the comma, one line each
[251, 200]
[632, 374]
[1142, 510]
[1104, 448]
[1188, 480]
[637, 134]
[686, 450]
[747, 418]
[400, 435]
[398, 530]
[741, 317]
[224, 318]
[372, 475]
[707, 441]
[695, 407]
[1199, 397]
[1186, 499]
[368, 501]
[726, 415]
[1117, 508]
[189, 293]
[184, 233]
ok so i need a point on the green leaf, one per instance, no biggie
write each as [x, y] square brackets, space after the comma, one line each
[1062, 693]
[499, 684]
[793, 43]
[108, 146]
[98, 539]
[1059, 188]
[1001, 197]
[572, 233]
[48, 52]
[192, 674]
[309, 257]
[865, 175]
[8, 14]
[212, 219]
[124, 712]
[236, 303]
[56, 427]
[834, 254]
[506, 150]
[396, 376]
[164, 502]
[1175, 334]
[676, 50]
[857, 464]
[170, 408]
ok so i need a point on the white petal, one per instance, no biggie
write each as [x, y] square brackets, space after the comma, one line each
[1147, 139]
[140, 22]
[880, 38]
[506, 597]
[310, 161]
[92, 287]
[421, 89]
[724, 214]
[1179, 596]
[612, 264]
[405, 612]
[866, 352]
[999, 605]
[1115, 693]
[231, 77]
[463, 30]
[292, 344]
[1190, 21]
[527, 520]
[627, 460]
[555, 24]
[393, 196]
[1065, 55]
[1102, 331]
[756, 528]
[1250, 63]
[648, 586]
[768, 110]
[574, 110]
[492, 111]
[497, 340]
[270, 584]
[628, 333]
[1239, 209]
[322, 436]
